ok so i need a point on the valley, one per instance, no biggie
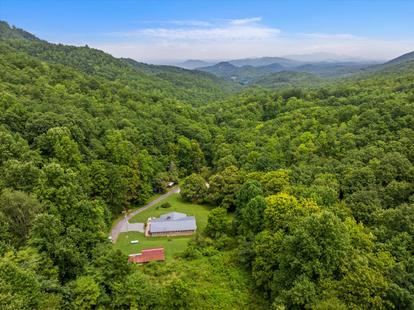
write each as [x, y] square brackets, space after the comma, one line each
[299, 176]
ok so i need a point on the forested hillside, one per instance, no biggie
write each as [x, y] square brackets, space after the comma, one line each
[78, 146]
[155, 80]
[321, 183]
[313, 188]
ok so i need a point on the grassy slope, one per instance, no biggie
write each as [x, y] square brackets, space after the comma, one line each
[216, 282]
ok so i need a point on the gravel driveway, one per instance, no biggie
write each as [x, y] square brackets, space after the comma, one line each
[123, 224]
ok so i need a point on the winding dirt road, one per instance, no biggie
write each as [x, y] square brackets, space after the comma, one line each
[121, 224]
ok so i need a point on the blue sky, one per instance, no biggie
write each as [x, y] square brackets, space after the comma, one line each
[160, 30]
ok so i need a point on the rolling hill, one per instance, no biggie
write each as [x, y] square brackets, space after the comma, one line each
[265, 61]
[180, 83]
[249, 71]
[194, 63]
[398, 64]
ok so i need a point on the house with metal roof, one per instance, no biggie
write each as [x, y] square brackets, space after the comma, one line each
[173, 223]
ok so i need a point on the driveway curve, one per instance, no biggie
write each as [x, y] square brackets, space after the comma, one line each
[122, 224]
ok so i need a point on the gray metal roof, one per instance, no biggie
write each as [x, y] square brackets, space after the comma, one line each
[173, 221]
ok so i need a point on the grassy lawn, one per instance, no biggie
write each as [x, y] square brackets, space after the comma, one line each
[178, 205]
[172, 245]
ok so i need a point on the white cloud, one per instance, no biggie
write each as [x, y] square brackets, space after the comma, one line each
[238, 38]
[197, 23]
[216, 34]
[245, 21]
[236, 29]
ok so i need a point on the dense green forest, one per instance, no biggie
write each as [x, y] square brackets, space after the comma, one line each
[318, 183]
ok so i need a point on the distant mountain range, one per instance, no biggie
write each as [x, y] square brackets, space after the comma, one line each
[287, 60]
[272, 72]
[325, 57]
[265, 61]
[277, 71]
[254, 62]
[194, 63]
[249, 70]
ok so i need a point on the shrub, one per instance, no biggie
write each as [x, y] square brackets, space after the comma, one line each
[166, 205]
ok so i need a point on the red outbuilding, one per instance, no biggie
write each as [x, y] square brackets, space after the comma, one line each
[147, 255]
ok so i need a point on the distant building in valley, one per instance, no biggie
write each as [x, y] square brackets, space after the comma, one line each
[171, 224]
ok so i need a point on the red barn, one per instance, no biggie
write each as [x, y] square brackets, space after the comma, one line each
[147, 255]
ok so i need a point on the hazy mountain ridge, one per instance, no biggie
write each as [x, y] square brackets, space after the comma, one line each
[400, 59]
[194, 63]
[248, 74]
[245, 74]
[217, 78]
[331, 69]
[327, 57]
[256, 70]
[265, 61]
